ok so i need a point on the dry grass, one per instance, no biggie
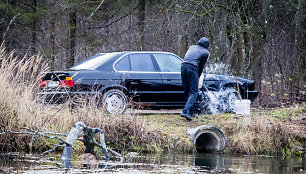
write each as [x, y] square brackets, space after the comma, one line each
[18, 80]
[258, 135]
[270, 132]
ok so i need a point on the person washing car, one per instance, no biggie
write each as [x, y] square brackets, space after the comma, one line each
[191, 69]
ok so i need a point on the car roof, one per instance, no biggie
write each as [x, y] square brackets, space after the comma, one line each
[125, 52]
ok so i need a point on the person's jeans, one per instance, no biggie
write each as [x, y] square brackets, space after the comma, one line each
[189, 74]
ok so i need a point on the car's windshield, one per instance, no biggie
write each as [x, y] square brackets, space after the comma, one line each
[94, 61]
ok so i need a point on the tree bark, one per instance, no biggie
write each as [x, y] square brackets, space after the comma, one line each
[34, 26]
[72, 37]
[141, 22]
[52, 41]
[260, 60]
[240, 43]
[299, 48]
[182, 45]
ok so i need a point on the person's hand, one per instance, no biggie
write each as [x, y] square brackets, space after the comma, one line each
[201, 80]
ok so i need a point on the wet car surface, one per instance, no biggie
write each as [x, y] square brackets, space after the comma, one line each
[145, 78]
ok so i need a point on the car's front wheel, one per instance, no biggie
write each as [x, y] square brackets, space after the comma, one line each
[115, 101]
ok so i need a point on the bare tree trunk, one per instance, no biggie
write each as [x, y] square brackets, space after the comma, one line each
[260, 60]
[141, 22]
[240, 43]
[182, 45]
[72, 38]
[34, 25]
[299, 48]
[52, 40]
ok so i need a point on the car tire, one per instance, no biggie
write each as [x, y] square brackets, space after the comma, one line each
[114, 101]
[231, 95]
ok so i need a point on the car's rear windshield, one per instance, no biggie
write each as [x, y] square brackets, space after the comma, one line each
[95, 61]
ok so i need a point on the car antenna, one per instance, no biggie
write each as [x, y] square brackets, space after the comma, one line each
[237, 86]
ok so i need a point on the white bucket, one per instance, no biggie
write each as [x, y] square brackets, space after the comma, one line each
[242, 107]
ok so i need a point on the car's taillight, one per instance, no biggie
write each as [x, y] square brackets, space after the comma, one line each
[68, 82]
[42, 83]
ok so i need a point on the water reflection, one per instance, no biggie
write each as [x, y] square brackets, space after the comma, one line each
[210, 162]
[221, 163]
[163, 163]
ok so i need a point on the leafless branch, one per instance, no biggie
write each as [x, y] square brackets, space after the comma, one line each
[155, 17]
[50, 135]
[62, 142]
[8, 27]
[96, 9]
[120, 18]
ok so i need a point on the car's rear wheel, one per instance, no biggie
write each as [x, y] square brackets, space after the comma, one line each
[115, 101]
[231, 96]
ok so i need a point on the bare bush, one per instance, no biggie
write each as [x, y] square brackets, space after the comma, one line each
[280, 73]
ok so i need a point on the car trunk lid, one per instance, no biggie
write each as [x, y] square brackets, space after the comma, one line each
[56, 79]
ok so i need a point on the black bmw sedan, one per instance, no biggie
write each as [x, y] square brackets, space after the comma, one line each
[121, 79]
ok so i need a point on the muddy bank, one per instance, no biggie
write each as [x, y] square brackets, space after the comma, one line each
[270, 132]
[274, 131]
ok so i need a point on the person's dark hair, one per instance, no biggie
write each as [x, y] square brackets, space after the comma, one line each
[204, 42]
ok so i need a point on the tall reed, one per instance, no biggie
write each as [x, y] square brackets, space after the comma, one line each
[18, 82]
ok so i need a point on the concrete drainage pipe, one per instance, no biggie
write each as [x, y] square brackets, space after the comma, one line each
[207, 139]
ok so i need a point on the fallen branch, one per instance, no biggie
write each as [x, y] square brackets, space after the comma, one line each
[78, 130]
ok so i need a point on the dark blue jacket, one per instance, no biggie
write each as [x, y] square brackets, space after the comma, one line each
[197, 55]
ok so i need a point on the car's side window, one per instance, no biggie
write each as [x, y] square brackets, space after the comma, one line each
[123, 64]
[168, 62]
[141, 62]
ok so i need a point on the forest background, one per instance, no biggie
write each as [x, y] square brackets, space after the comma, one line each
[262, 40]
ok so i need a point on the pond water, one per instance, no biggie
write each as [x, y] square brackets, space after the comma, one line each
[153, 163]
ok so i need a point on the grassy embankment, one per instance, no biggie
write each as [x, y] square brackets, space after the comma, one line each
[278, 131]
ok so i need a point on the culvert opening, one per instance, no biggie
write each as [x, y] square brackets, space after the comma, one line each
[206, 143]
[207, 139]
